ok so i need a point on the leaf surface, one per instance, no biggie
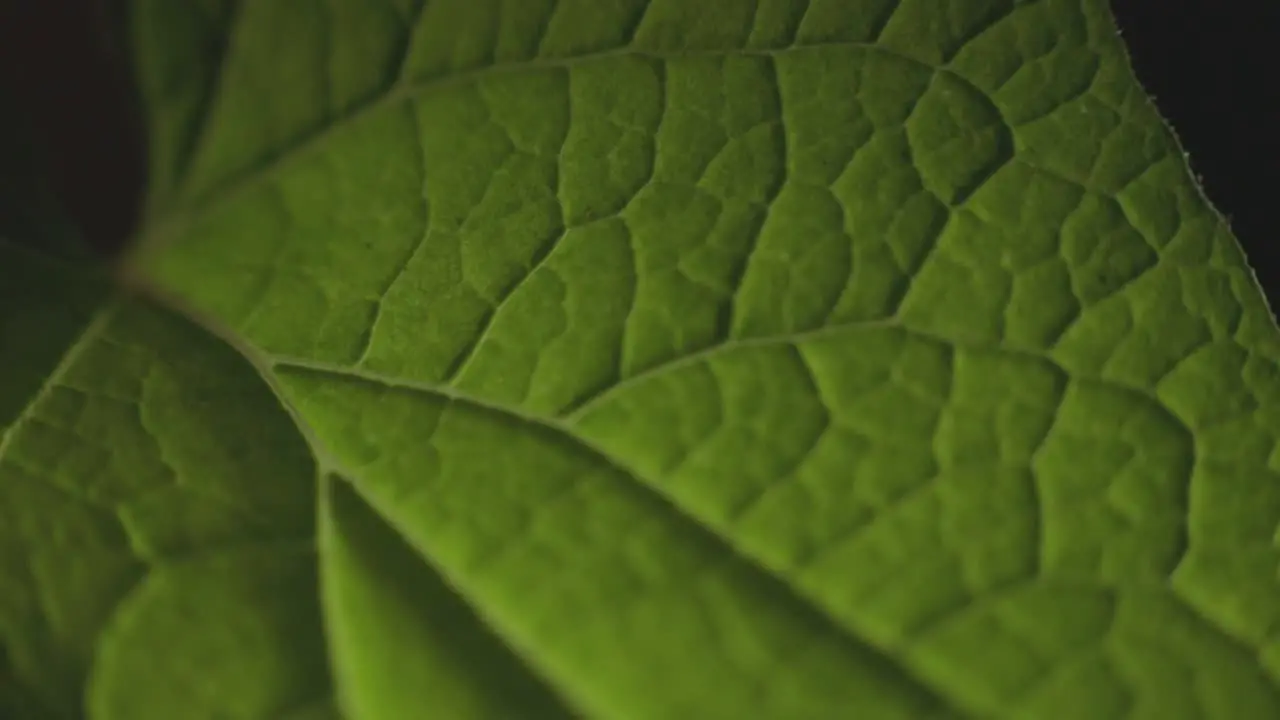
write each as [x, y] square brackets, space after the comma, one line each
[651, 359]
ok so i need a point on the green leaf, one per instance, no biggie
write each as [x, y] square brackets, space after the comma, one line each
[646, 359]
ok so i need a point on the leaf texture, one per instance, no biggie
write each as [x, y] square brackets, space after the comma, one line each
[650, 359]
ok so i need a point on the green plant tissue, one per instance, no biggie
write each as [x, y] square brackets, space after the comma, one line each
[643, 359]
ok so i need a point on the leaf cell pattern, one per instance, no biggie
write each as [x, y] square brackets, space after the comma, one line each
[795, 358]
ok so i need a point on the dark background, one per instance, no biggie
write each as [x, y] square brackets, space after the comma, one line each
[1204, 62]
[1207, 64]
